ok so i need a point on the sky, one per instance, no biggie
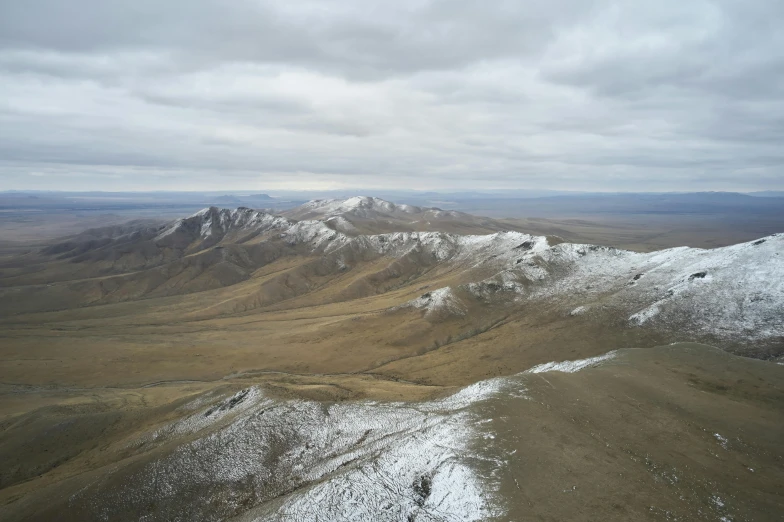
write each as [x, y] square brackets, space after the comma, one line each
[670, 95]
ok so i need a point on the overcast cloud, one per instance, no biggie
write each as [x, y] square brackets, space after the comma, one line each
[559, 94]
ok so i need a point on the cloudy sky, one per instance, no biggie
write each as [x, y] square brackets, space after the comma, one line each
[423, 94]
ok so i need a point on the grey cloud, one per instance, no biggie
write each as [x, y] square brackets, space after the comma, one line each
[357, 38]
[598, 95]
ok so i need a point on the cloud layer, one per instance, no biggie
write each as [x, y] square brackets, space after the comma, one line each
[560, 94]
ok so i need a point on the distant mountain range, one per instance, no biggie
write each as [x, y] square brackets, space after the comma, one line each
[513, 203]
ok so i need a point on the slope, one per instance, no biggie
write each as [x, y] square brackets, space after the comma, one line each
[681, 432]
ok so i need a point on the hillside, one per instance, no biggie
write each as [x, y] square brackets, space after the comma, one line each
[387, 361]
[681, 432]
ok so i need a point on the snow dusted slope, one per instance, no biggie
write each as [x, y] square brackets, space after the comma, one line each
[365, 206]
[604, 438]
[294, 459]
[213, 224]
[360, 206]
[733, 293]
[372, 215]
[473, 250]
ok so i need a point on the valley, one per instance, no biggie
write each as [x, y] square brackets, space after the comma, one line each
[199, 355]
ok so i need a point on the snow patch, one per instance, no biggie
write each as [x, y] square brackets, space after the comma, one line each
[722, 440]
[477, 392]
[580, 310]
[571, 366]
[442, 299]
[644, 315]
[341, 224]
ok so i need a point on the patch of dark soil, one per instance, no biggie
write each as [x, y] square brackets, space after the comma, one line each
[228, 404]
[422, 487]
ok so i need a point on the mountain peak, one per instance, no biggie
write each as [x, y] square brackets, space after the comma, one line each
[215, 222]
[355, 204]
[372, 215]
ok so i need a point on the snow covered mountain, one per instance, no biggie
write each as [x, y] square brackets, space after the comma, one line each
[363, 214]
[212, 225]
[361, 206]
[733, 293]
[727, 295]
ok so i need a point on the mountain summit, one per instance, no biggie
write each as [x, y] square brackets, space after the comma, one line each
[357, 205]
[364, 214]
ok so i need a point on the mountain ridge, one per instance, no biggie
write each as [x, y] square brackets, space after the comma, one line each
[722, 295]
